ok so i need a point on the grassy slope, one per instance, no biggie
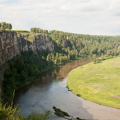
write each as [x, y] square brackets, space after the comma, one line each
[99, 83]
[31, 35]
[24, 32]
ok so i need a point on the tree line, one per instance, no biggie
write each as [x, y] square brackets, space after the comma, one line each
[74, 45]
[38, 30]
[5, 26]
[80, 45]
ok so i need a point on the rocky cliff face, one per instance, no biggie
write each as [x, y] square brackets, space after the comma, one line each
[12, 44]
[9, 46]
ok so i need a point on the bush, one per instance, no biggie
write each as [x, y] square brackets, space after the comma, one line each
[13, 113]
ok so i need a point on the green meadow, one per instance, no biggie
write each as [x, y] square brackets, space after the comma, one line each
[99, 83]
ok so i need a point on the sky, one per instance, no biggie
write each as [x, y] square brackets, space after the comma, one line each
[96, 17]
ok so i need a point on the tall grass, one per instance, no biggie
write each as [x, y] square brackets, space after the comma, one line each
[13, 113]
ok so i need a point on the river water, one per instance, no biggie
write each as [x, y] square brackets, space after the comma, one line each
[49, 89]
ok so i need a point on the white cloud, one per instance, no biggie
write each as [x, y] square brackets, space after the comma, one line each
[80, 16]
[2, 0]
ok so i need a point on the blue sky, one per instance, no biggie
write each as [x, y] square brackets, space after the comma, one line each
[101, 17]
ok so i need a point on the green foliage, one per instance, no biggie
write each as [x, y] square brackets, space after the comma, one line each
[9, 113]
[38, 116]
[64, 114]
[5, 26]
[60, 113]
[21, 31]
[25, 67]
[13, 113]
[79, 45]
[22, 70]
[38, 30]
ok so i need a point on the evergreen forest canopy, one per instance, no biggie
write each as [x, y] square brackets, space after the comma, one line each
[80, 45]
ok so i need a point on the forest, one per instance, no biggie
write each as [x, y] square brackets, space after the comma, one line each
[79, 45]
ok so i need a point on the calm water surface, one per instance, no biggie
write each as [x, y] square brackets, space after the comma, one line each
[49, 90]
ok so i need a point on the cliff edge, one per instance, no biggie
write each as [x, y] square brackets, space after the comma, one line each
[12, 44]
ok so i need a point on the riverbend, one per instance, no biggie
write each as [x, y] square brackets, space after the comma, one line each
[49, 90]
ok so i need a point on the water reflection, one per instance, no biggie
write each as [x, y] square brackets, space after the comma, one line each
[49, 89]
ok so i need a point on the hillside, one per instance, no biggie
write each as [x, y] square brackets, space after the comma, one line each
[65, 44]
[28, 54]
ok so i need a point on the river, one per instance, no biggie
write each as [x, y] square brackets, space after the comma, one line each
[49, 89]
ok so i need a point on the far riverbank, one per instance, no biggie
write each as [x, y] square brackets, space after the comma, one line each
[98, 83]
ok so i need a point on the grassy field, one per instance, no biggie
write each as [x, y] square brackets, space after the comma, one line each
[31, 34]
[99, 83]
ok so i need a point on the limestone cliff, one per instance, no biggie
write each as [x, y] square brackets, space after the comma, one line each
[12, 44]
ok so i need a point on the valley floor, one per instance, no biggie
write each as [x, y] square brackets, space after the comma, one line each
[99, 83]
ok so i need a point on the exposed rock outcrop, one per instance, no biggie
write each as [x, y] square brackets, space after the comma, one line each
[12, 44]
